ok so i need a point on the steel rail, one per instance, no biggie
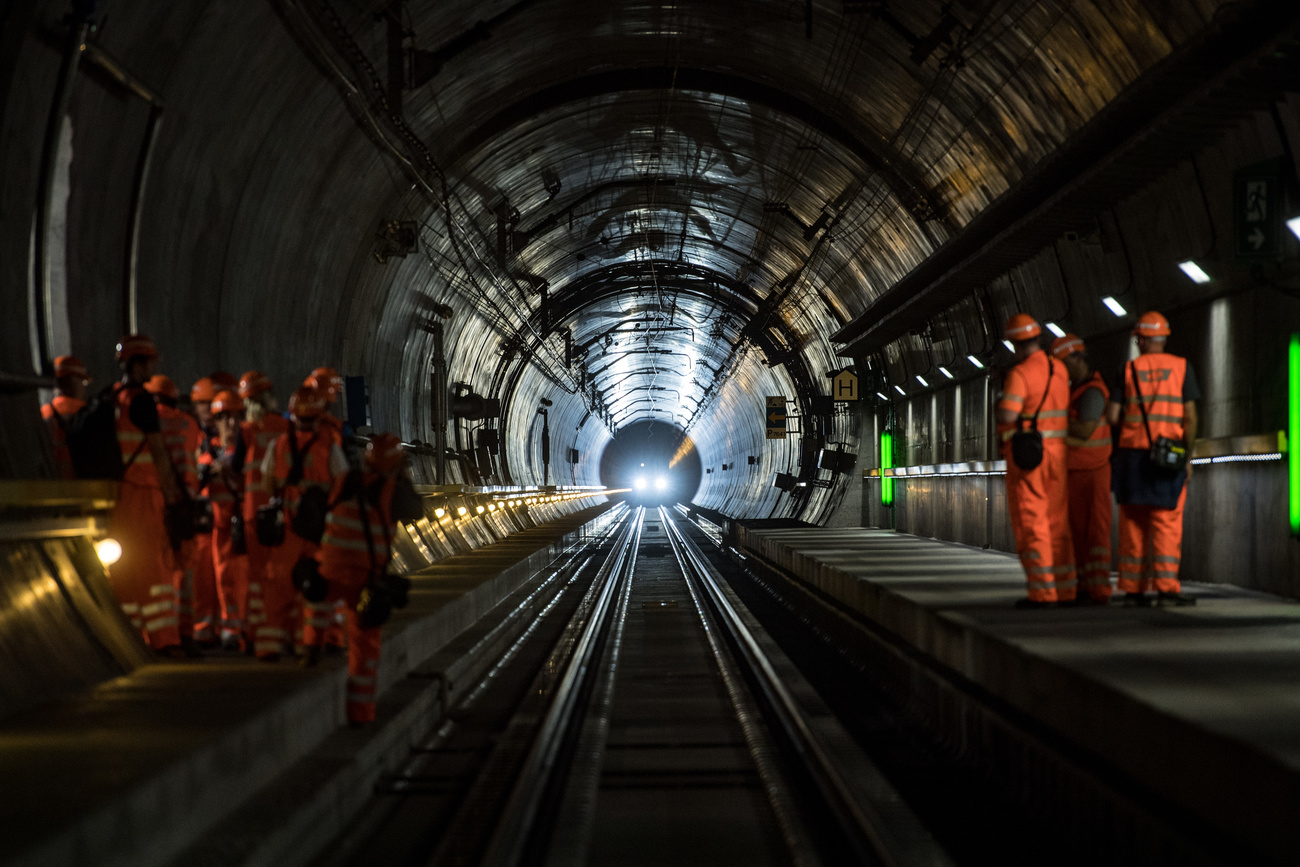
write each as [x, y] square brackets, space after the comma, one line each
[514, 829]
[858, 829]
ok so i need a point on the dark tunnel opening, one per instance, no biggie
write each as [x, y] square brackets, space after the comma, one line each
[656, 462]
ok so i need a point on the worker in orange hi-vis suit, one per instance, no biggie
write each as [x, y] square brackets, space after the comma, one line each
[225, 488]
[302, 467]
[1031, 419]
[262, 427]
[354, 556]
[327, 381]
[1088, 461]
[71, 380]
[204, 447]
[142, 578]
[180, 432]
[1153, 399]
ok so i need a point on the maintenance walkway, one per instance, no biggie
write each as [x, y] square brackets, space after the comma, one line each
[1179, 727]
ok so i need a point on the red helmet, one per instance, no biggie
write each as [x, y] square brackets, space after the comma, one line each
[162, 385]
[1151, 324]
[384, 453]
[1063, 347]
[203, 391]
[227, 401]
[135, 344]
[327, 379]
[70, 365]
[1021, 326]
[253, 383]
[223, 381]
[306, 403]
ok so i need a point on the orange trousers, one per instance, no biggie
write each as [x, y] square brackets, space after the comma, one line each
[1039, 509]
[207, 610]
[1090, 517]
[143, 577]
[232, 580]
[1151, 547]
[363, 644]
[277, 630]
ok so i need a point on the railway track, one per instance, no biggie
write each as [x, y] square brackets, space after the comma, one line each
[632, 711]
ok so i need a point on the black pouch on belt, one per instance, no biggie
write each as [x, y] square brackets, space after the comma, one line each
[238, 541]
[270, 524]
[1027, 445]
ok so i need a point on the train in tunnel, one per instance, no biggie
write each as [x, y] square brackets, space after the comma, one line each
[748, 262]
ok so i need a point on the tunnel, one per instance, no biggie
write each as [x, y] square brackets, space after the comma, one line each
[748, 262]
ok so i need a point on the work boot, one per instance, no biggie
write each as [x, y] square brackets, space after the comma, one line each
[172, 651]
[191, 647]
[1175, 600]
[230, 642]
[1035, 604]
[1139, 600]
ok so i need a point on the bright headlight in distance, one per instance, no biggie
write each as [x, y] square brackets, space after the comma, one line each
[639, 483]
[109, 551]
[661, 484]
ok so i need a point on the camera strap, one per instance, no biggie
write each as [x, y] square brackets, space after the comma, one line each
[1051, 371]
[1142, 404]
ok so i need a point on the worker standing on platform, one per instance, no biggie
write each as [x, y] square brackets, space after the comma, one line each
[142, 578]
[1032, 423]
[355, 552]
[1153, 399]
[207, 603]
[259, 432]
[302, 467]
[71, 380]
[1088, 462]
[225, 488]
[180, 432]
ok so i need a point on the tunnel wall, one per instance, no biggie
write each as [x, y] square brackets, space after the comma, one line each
[1234, 331]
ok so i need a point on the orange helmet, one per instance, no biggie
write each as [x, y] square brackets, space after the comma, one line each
[227, 401]
[70, 365]
[1067, 345]
[1151, 324]
[203, 391]
[306, 403]
[384, 453]
[1021, 326]
[253, 383]
[162, 385]
[223, 381]
[135, 344]
[327, 379]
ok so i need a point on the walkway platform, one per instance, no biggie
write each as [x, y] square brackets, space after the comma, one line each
[1196, 706]
[137, 769]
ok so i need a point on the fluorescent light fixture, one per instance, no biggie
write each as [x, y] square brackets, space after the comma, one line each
[1294, 225]
[1191, 269]
[1293, 432]
[899, 389]
[1055, 329]
[1009, 346]
[921, 379]
[886, 463]
[881, 396]
[1114, 306]
[438, 513]
[975, 361]
[945, 372]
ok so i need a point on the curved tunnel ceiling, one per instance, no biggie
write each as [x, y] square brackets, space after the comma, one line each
[647, 211]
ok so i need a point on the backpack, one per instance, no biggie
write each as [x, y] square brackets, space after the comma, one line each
[92, 438]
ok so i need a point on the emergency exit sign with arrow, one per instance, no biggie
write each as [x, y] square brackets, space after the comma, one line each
[776, 418]
[1257, 207]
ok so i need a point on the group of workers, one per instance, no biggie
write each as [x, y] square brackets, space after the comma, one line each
[189, 582]
[1131, 436]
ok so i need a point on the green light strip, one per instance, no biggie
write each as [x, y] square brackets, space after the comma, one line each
[886, 463]
[1293, 432]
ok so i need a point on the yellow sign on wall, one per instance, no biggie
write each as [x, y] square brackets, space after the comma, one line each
[776, 417]
[845, 386]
